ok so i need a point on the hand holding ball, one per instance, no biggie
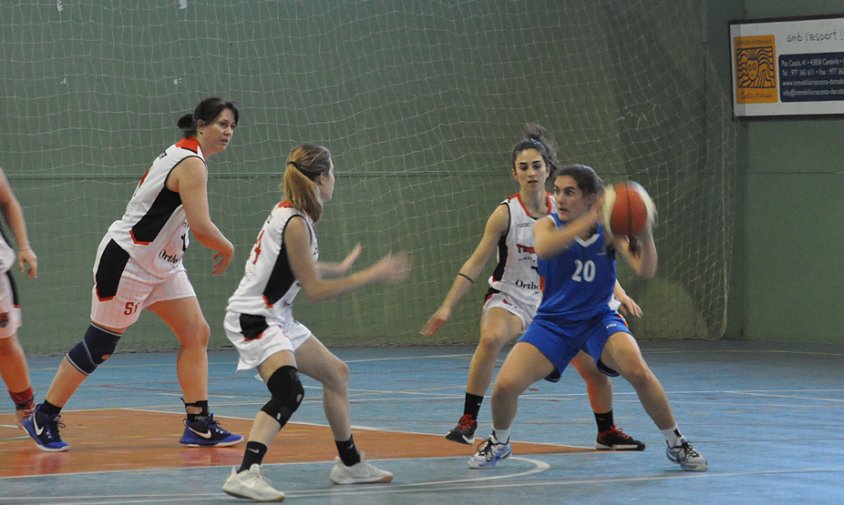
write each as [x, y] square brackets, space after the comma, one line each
[627, 209]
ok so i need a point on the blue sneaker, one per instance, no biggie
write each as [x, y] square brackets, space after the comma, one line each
[489, 453]
[44, 430]
[207, 432]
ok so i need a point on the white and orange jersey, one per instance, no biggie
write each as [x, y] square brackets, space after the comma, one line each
[516, 272]
[154, 229]
[7, 254]
[268, 286]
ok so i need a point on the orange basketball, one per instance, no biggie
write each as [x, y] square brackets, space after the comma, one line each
[627, 208]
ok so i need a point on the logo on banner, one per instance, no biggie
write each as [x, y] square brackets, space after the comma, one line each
[756, 69]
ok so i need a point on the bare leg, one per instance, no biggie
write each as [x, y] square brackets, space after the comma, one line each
[598, 385]
[184, 317]
[622, 354]
[68, 379]
[523, 366]
[316, 361]
[13, 367]
[498, 327]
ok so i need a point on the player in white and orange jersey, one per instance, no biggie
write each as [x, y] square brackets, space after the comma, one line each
[259, 322]
[13, 366]
[139, 266]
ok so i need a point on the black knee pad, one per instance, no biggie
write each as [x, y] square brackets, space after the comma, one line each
[97, 346]
[287, 394]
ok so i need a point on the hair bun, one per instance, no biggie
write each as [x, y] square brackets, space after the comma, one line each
[185, 122]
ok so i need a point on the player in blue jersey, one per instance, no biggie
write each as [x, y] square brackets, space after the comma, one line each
[576, 260]
[514, 293]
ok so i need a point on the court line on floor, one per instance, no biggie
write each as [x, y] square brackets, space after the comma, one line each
[538, 467]
[432, 486]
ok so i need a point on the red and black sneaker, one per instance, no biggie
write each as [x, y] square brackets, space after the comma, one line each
[616, 440]
[464, 432]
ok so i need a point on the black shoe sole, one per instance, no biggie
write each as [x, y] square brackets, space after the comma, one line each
[620, 448]
[456, 437]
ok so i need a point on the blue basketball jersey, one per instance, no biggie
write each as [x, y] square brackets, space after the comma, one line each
[578, 283]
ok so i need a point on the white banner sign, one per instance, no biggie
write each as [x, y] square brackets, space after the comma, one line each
[788, 67]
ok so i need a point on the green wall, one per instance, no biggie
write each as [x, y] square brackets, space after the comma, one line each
[420, 102]
[788, 275]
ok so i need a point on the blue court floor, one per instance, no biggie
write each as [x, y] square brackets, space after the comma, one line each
[766, 416]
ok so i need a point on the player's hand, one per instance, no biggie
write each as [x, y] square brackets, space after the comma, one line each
[392, 268]
[629, 307]
[434, 322]
[28, 261]
[222, 258]
[598, 207]
[349, 260]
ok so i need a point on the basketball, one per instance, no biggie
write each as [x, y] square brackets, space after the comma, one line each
[627, 208]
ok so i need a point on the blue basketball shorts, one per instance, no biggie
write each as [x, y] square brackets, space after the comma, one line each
[560, 341]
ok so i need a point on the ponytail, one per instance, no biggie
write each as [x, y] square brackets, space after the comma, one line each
[305, 163]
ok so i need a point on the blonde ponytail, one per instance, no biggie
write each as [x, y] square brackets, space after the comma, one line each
[305, 163]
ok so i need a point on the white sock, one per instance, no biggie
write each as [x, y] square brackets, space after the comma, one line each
[501, 436]
[673, 436]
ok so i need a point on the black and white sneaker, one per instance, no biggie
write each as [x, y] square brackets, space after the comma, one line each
[687, 457]
[464, 432]
[614, 439]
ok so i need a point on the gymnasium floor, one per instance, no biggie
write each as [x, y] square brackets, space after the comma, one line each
[766, 416]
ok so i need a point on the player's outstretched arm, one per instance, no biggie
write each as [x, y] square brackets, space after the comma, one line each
[337, 269]
[496, 226]
[390, 269]
[549, 241]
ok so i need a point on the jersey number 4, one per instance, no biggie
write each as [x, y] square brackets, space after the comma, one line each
[257, 249]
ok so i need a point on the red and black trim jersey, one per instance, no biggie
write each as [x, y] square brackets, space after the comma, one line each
[154, 229]
[268, 286]
[7, 254]
[515, 272]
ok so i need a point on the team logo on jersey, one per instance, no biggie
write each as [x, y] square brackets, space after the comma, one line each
[4, 319]
[526, 285]
[170, 258]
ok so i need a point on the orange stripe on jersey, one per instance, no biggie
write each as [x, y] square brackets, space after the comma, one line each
[190, 143]
[285, 204]
[248, 339]
[144, 177]
[518, 196]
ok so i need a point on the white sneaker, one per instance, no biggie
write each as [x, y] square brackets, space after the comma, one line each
[687, 457]
[359, 473]
[489, 453]
[252, 485]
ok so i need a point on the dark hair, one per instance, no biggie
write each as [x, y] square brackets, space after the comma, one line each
[585, 176]
[207, 111]
[537, 138]
[304, 164]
